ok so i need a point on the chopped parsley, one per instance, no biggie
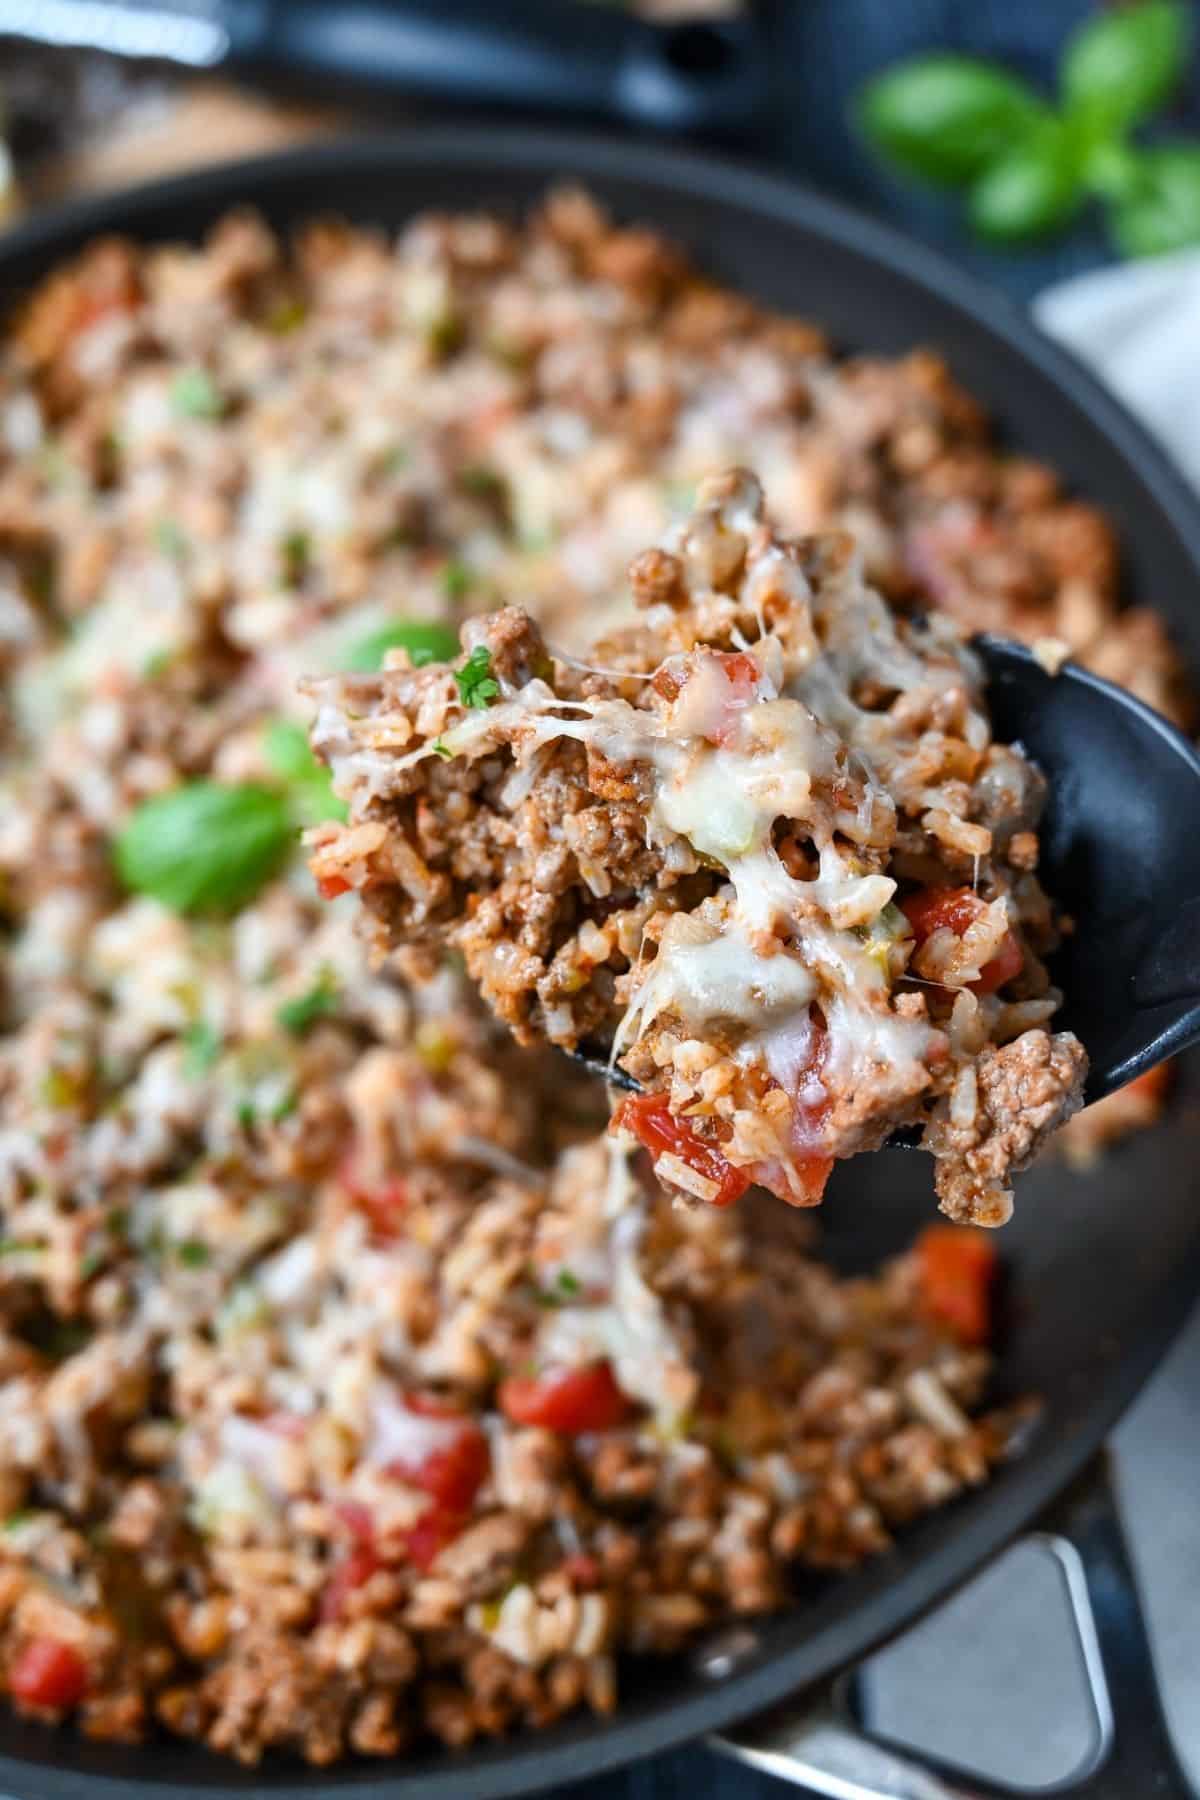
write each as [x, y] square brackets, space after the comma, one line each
[16, 1246]
[203, 1046]
[480, 480]
[566, 1287]
[294, 555]
[442, 750]
[193, 1253]
[296, 1015]
[195, 395]
[477, 686]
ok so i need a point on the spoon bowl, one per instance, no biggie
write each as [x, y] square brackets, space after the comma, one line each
[1120, 853]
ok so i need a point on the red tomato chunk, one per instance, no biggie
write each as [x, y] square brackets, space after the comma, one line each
[958, 1270]
[954, 909]
[47, 1673]
[353, 1572]
[566, 1400]
[451, 1475]
[331, 886]
[654, 1125]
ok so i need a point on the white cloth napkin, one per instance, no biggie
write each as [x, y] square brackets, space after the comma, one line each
[1138, 326]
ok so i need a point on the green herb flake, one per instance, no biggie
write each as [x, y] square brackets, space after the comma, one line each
[481, 481]
[59, 1088]
[193, 1253]
[295, 553]
[18, 1246]
[284, 1107]
[286, 315]
[444, 334]
[442, 750]
[426, 640]
[477, 686]
[456, 579]
[203, 1046]
[23, 1516]
[156, 665]
[170, 540]
[204, 846]
[567, 1283]
[92, 1261]
[297, 1015]
[194, 395]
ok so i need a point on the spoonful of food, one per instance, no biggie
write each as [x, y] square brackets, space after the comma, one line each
[803, 875]
[1119, 849]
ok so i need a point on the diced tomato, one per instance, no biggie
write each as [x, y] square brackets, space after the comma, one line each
[451, 1475]
[383, 1202]
[958, 1270]
[582, 1571]
[653, 1124]
[954, 909]
[736, 691]
[357, 1519]
[330, 886]
[47, 1673]
[741, 672]
[566, 1400]
[424, 1541]
[741, 679]
[353, 1572]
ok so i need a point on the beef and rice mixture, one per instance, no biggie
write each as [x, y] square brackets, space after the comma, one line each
[342, 1399]
[761, 843]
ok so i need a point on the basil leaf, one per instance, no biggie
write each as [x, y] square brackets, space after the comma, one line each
[204, 846]
[426, 641]
[1162, 212]
[310, 785]
[194, 395]
[287, 749]
[1118, 67]
[945, 116]
[296, 1015]
[1036, 186]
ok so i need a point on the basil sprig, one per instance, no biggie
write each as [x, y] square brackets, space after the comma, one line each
[1028, 166]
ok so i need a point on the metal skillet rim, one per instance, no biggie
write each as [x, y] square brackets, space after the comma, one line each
[966, 1535]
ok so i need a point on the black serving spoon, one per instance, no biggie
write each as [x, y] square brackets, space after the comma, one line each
[1120, 852]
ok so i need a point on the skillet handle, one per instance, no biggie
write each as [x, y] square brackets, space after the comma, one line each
[813, 1742]
[688, 76]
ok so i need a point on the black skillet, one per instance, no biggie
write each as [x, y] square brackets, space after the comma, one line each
[1103, 1268]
